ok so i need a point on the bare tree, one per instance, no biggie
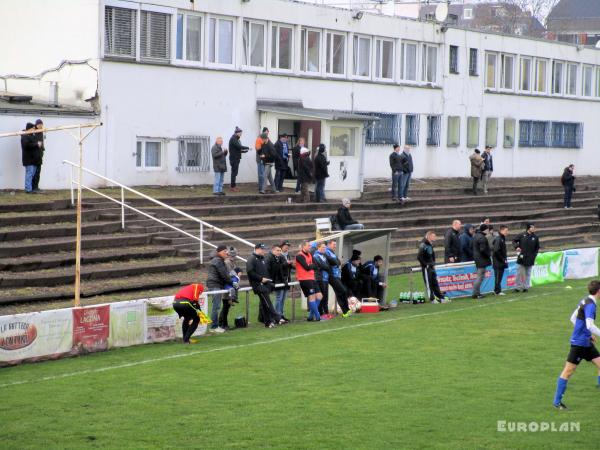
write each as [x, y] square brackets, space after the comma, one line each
[538, 8]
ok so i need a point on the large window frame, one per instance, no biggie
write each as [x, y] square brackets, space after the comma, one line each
[541, 76]
[214, 43]
[472, 132]
[182, 38]
[587, 81]
[508, 140]
[473, 62]
[453, 60]
[453, 132]
[276, 49]
[491, 132]
[572, 79]
[434, 130]
[305, 55]
[141, 154]
[360, 43]
[491, 70]
[330, 61]
[249, 54]
[558, 75]
[412, 129]
[405, 75]
[507, 72]
[428, 73]
[117, 19]
[380, 44]
[525, 66]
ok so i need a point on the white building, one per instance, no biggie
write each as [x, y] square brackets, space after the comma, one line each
[166, 79]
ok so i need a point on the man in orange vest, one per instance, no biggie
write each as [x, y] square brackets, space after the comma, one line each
[305, 273]
[187, 306]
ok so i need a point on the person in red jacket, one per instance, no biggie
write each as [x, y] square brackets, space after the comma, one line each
[305, 273]
[187, 306]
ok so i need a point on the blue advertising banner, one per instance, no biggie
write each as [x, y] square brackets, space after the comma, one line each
[458, 281]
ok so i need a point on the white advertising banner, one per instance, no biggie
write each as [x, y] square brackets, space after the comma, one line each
[581, 263]
[127, 321]
[163, 323]
[34, 336]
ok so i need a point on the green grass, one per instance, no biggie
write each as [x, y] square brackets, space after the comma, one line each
[421, 376]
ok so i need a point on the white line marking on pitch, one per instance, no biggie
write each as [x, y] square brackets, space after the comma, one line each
[265, 342]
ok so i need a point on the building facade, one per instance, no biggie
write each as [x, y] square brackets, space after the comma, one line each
[167, 79]
[575, 21]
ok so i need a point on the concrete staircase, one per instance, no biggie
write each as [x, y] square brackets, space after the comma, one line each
[37, 240]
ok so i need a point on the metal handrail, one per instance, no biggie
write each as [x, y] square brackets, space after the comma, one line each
[124, 205]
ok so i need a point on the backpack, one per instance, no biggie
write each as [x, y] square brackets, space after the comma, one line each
[335, 226]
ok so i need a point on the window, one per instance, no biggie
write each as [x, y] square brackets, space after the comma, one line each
[509, 133]
[385, 131]
[119, 32]
[490, 71]
[534, 133]
[220, 41]
[281, 47]
[336, 47]
[567, 135]
[189, 37]
[155, 36]
[148, 154]
[472, 132]
[468, 13]
[254, 44]
[540, 75]
[194, 154]
[588, 80]
[412, 129]
[310, 51]
[429, 63]
[572, 79]
[453, 131]
[525, 74]
[491, 132]
[473, 60]
[384, 59]
[409, 61]
[506, 71]
[433, 130]
[557, 77]
[453, 59]
[342, 141]
[361, 56]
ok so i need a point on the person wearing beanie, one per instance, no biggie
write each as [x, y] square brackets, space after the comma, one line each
[466, 246]
[396, 166]
[321, 173]
[482, 254]
[30, 157]
[235, 156]
[568, 182]
[282, 156]
[527, 246]
[305, 174]
[39, 137]
[296, 160]
[219, 157]
[351, 275]
[260, 167]
[186, 304]
[217, 278]
[268, 158]
[477, 164]
[277, 266]
[373, 282]
[345, 220]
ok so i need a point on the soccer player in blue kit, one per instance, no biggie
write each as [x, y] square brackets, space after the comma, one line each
[582, 341]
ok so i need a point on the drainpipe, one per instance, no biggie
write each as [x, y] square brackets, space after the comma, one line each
[361, 170]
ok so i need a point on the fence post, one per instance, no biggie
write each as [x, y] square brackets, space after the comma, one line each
[122, 208]
[411, 282]
[247, 307]
[201, 243]
[72, 192]
[292, 294]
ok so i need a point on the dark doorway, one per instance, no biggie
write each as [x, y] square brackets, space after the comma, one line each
[310, 130]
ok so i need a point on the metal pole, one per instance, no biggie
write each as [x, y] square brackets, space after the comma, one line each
[122, 209]
[247, 307]
[293, 295]
[411, 283]
[78, 237]
[72, 191]
[201, 243]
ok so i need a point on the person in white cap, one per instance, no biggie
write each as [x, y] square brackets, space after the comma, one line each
[305, 174]
[345, 220]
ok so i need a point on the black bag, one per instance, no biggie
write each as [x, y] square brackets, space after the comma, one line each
[334, 223]
[240, 322]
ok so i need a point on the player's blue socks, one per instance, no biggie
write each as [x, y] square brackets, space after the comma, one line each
[561, 387]
[598, 380]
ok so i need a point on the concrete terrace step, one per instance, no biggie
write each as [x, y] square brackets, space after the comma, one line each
[48, 217]
[58, 276]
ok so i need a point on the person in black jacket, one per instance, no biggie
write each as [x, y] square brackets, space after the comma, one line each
[30, 157]
[296, 160]
[282, 156]
[396, 166]
[452, 243]
[219, 157]
[278, 268]
[499, 258]
[269, 157]
[258, 275]
[527, 246]
[39, 137]
[407, 170]
[321, 174]
[345, 220]
[351, 275]
[305, 174]
[482, 254]
[322, 275]
[426, 257]
[217, 278]
[235, 156]
[568, 182]
[466, 246]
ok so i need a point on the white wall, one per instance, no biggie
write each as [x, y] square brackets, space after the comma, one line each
[59, 146]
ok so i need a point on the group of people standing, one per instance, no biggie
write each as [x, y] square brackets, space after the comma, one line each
[402, 167]
[482, 167]
[32, 155]
[271, 157]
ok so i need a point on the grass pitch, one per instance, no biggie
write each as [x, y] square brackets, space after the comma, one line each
[421, 376]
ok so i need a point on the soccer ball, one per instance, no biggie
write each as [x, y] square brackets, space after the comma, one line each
[354, 304]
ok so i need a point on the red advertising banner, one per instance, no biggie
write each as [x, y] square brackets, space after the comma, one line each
[91, 327]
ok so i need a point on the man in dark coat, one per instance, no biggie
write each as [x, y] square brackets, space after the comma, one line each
[296, 160]
[321, 173]
[219, 165]
[39, 137]
[269, 157]
[278, 268]
[488, 168]
[466, 246]
[499, 258]
[426, 257]
[568, 182]
[527, 246]
[305, 174]
[407, 170]
[345, 220]
[30, 157]
[235, 155]
[452, 243]
[282, 156]
[258, 275]
[396, 166]
[351, 275]
[217, 278]
[482, 254]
